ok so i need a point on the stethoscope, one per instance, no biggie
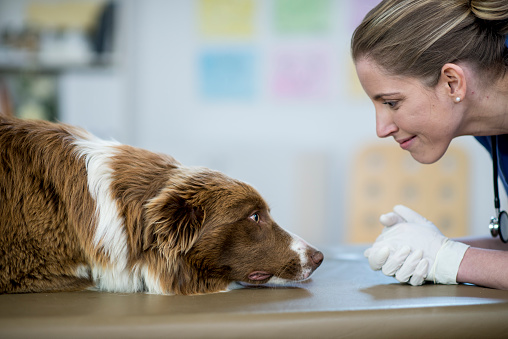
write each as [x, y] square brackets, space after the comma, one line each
[498, 224]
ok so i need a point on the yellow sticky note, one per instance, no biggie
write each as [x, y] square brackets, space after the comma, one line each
[226, 18]
[354, 86]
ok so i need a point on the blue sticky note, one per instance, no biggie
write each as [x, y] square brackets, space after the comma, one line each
[227, 74]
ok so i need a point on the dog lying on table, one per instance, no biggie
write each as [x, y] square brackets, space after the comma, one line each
[78, 212]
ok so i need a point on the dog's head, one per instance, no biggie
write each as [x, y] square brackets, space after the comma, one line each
[210, 230]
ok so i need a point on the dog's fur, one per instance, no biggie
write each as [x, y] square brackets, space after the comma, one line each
[79, 212]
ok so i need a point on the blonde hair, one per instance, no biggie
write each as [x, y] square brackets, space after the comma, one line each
[416, 38]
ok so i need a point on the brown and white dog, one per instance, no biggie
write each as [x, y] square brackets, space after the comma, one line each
[79, 212]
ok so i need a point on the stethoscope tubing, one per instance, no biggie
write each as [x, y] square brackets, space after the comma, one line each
[499, 221]
[493, 140]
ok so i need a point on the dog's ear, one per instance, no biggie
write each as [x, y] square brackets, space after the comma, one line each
[173, 222]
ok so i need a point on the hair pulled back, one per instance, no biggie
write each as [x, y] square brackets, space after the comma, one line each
[416, 38]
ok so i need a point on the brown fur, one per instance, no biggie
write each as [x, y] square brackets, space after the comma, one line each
[191, 229]
[39, 250]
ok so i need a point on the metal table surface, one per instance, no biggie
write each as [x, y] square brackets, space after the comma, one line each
[344, 299]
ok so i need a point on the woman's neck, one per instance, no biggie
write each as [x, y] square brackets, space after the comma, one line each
[487, 108]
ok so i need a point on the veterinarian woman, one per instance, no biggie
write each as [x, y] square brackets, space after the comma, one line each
[436, 70]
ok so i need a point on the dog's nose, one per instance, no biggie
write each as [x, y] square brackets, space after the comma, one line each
[317, 258]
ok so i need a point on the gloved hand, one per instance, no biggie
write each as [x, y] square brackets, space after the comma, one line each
[413, 249]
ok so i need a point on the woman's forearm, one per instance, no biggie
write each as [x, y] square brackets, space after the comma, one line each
[484, 267]
[484, 242]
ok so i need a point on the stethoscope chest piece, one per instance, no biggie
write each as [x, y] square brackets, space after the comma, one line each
[499, 226]
[494, 226]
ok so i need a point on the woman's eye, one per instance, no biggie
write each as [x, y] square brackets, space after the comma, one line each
[391, 104]
[255, 217]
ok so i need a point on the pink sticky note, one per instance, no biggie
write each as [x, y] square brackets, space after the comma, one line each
[301, 73]
[359, 9]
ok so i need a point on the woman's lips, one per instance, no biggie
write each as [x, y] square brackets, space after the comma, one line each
[406, 143]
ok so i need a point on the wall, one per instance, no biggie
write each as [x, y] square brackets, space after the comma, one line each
[294, 144]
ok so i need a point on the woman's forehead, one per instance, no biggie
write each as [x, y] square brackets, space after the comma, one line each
[377, 81]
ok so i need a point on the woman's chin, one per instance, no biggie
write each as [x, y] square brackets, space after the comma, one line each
[426, 158]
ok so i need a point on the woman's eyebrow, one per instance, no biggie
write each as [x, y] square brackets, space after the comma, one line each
[379, 96]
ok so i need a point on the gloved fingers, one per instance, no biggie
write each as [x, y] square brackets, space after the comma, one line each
[395, 260]
[420, 273]
[408, 267]
[377, 257]
[409, 215]
[390, 219]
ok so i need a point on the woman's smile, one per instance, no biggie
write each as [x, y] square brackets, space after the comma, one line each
[406, 143]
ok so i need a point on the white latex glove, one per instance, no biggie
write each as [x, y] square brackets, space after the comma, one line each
[413, 250]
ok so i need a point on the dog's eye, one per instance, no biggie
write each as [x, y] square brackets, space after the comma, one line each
[255, 217]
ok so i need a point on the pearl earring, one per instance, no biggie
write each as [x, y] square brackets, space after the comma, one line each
[457, 99]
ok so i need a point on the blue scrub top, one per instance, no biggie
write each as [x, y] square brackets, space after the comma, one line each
[502, 155]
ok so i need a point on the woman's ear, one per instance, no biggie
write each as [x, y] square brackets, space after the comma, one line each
[453, 79]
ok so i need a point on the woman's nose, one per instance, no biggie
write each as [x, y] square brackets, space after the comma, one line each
[384, 124]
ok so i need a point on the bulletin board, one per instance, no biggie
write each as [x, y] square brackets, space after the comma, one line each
[382, 175]
[298, 62]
